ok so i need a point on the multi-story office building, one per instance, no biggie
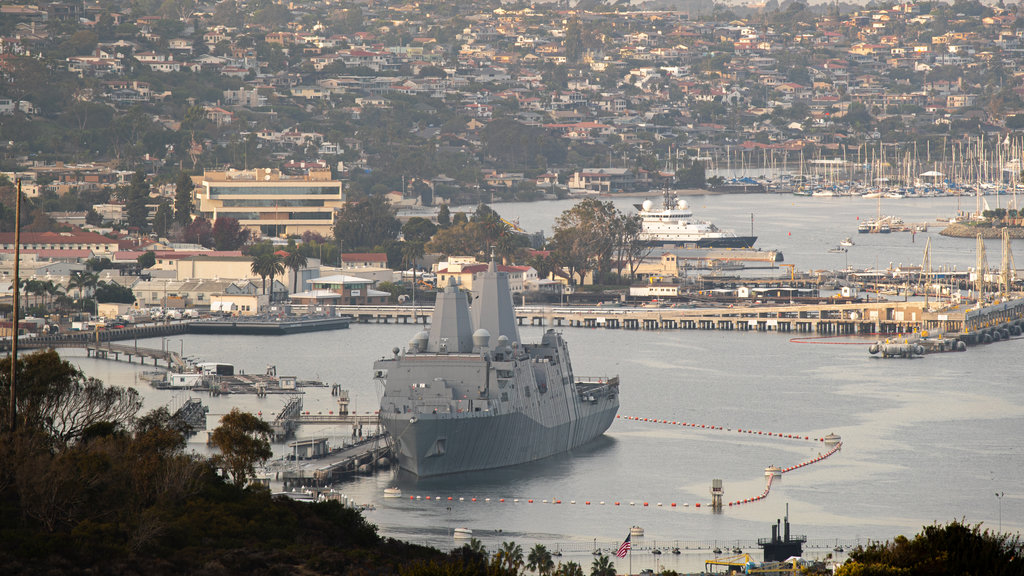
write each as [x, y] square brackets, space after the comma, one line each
[271, 203]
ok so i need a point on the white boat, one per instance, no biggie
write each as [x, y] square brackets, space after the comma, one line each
[673, 224]
[393, 492]
[847, 242]
[462, 533]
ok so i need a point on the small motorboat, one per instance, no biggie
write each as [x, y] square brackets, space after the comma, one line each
[462, 533]
[847, 242]
[656, 551]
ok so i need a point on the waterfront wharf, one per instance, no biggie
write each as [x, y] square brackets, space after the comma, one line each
[364, 455]
[880, 317]
[262, 325]
[81, 339]
[109, 351]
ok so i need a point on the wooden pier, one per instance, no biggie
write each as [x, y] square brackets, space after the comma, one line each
[108, 351]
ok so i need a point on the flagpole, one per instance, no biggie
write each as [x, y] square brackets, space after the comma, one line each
[631, 561]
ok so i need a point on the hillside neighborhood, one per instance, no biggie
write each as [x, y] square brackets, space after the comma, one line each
[166, 147]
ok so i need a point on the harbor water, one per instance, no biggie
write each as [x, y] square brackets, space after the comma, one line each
[924, 440]
[929, 440]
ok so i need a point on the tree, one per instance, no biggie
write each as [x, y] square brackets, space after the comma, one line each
[366, 224]
[630, 247]
[199, 231]
[444, 216]
[510, 557]
[952, 549]
[265, 265]
[295, 260]
[56, 399]
[163, 219]
[418, 229]
[691, 177]
[602, 566]
[83, 282]
[243, 441]
[147, 259]
[135, 196]
[228, 234]
[569, 569]
[584, 238]
[183, 199]
[114, 292]
[540, 560]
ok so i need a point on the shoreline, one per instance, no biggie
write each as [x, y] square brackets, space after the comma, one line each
[987, 232]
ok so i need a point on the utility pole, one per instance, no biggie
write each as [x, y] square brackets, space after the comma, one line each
[14, 320]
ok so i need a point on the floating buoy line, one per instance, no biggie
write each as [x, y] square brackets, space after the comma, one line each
[771, 473]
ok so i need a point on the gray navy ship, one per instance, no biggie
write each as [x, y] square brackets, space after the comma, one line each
[469, 395]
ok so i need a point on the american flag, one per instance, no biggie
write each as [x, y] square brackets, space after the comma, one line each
[624, 548]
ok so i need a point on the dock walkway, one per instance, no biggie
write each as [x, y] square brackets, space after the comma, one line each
[337, 464]
[827, 319]
[106, 350]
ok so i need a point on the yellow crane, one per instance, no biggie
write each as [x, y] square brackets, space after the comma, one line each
[792, 270]
[739, 561]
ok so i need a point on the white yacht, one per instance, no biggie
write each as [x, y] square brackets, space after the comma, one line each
[673, 224]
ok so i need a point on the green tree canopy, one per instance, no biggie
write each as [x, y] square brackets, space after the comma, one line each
[243, 441]
[955, 548]
[366, 224]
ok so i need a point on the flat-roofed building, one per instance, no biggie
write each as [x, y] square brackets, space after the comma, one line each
[271, 203]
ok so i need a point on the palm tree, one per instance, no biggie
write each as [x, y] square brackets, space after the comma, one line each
[540, 560]
[477, 547]
[410, 252]
[510, 556]
[569, 569]
[267, 265]
[295, 260]
[52, 290]
[82, 281]
[602, 566]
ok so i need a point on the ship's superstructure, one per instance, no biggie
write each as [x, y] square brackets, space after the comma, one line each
[469, 395]
[673, 225]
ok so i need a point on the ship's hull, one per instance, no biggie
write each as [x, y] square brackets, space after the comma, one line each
[706, 242]
[437, 444]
